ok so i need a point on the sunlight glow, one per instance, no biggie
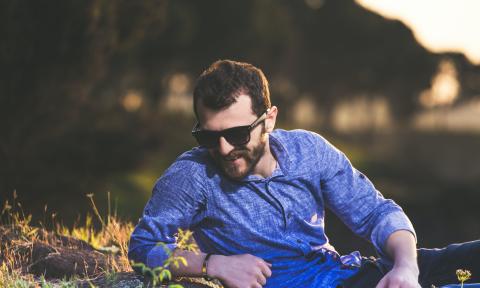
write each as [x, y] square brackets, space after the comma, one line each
[179, 83]
[315, 4]
[179, 96]
[439, 25]
[305, 113]
[132, 101]
[362, 113]
[445, 86]
[462, 118]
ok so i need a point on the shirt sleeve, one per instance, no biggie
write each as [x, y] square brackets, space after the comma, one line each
[178, 201]
[354, 199]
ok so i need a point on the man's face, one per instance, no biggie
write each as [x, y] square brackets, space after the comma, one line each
[235, 162]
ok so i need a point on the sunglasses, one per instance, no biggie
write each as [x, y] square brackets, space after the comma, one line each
[236, 136]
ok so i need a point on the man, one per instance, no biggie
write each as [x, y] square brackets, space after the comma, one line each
[255, 199]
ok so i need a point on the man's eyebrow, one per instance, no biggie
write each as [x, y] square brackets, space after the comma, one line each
[224, 128]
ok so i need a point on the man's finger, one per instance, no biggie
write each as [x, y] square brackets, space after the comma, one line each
[382, 284]
[266, 271]
[261, 280]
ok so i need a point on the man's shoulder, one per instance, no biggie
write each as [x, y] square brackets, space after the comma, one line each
[298, 138]
[196, 156]
[192, 163]
[304, 149]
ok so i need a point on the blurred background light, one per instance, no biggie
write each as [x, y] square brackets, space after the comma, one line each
[439, 25]
[132, 101]
[445, 86]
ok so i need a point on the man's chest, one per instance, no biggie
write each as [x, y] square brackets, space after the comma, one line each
[269, 206]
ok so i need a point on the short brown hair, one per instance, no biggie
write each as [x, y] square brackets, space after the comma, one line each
[219, 86]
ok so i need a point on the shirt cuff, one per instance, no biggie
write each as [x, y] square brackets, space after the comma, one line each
[390, 223]
[157, 256]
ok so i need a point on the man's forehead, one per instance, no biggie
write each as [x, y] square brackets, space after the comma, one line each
[238, 114]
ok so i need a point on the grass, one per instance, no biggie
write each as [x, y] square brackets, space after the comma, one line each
[111, 238]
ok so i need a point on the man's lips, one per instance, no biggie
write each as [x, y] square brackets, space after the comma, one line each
[232, 159]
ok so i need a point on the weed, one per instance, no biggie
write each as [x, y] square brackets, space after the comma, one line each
[111, 238]
[463, 275]
[162, 273]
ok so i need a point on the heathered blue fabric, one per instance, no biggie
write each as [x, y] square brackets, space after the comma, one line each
[279, 218]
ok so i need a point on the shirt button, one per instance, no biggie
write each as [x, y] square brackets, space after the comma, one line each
[289, 215]
[299, 241]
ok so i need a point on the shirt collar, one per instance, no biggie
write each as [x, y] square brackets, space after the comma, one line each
[283, 160]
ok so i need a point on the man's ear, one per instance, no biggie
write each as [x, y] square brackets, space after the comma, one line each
[271, 119]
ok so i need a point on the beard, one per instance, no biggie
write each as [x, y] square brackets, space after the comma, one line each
[249, 157]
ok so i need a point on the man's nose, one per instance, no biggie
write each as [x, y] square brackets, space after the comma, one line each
[224, 147]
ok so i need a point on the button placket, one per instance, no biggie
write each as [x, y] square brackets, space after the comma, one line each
[282, 206]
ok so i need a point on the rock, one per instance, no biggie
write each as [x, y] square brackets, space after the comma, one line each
[61, 262]
[57, 257]
[134, 280]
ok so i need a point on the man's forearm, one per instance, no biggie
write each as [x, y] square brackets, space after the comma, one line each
[232, 271]
[194, 264]
[402, 248]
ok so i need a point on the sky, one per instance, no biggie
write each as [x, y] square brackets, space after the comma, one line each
[439, 25]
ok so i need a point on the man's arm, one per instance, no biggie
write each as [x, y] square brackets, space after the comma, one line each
[364, 209]
[354, 199]
[236, 271]
[400, 246]
[178, 202]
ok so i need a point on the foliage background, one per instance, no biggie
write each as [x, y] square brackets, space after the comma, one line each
[95, 96]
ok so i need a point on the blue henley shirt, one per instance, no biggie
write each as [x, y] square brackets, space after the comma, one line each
[279, 218]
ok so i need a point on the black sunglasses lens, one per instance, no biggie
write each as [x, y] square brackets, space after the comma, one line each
[237, 136]
[206, 138]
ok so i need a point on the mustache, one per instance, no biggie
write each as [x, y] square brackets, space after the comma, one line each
[232, 155]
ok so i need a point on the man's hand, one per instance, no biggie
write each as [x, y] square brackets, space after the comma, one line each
[400, 277]
[404, 274]
[239, 271]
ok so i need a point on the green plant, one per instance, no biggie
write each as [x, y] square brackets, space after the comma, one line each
[17, 220]
[112, 239]
[11, 278]
[162, 273]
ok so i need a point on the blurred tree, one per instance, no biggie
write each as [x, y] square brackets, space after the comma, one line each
[82, 83]
[347, 50]
[60, 131]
